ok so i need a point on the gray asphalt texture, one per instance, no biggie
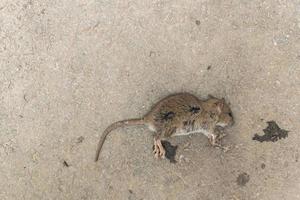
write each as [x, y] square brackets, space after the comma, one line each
[70, 68]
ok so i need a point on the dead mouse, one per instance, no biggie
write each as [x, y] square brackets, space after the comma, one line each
[180, 114]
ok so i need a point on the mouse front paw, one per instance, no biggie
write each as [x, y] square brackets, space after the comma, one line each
[212, 139]
[215, 141]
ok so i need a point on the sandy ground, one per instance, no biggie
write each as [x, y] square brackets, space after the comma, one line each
[70, 68]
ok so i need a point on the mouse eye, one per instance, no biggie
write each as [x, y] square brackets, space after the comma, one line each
[230, 114]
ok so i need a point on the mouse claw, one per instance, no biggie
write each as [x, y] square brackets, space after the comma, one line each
[212, 139]
[155, 149]
[162, 154]
[156, 154]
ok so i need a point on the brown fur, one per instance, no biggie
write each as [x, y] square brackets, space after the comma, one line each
[180, 114]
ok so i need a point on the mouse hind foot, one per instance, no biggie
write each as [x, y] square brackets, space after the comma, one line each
[159, 151]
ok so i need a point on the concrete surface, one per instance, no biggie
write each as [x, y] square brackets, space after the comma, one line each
[70, 68]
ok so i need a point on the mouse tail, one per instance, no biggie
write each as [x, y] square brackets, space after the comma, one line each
[129, 122]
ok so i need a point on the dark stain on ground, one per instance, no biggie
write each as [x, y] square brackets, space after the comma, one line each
[43, 11]
[197, 22]
[208, 67]
[66, 164]
[263, 165]
[170, 150]
[151, 54]
[243, 179]
[80, 139]
[130, 191]
[272, 133]
[25, 98]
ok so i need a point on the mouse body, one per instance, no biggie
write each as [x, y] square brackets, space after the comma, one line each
[180, 114]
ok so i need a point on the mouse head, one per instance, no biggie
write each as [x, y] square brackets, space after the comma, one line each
[221, 110]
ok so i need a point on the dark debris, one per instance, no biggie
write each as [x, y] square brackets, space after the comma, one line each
[66, 164]
[243, 179]
[80, 139]
[272, 133]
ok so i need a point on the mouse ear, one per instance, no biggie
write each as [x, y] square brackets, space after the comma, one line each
[220, 105]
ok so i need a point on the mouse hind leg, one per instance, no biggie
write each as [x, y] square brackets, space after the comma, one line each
[163, 129]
